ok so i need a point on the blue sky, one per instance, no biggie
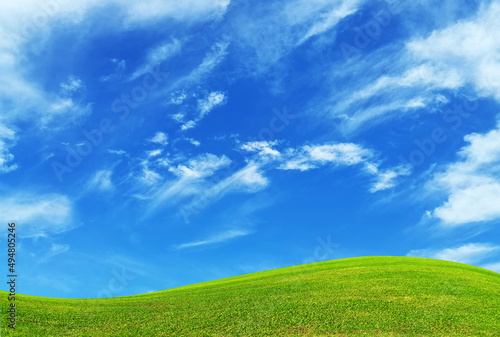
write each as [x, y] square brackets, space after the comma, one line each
[151, 144]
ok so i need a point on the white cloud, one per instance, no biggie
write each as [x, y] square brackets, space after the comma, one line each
[425, 76]
[6, 133]
[71, 86]
[472, 184]
[188, 10]
[7, 136]
[62, 112]
[381, 113]
[343, 153]
[160, 138]
[217, 238]
[38, 214]
[300, 163]
[55, 249]
[149, 177]
[212, 59]
[188, 125]
[269, 31]
[213, 100]
[203, 107]
[493, 267]
[22, 94]
[117, 74]
[205, 104]
[386, 178]
[154, 153]
[193, 141]
[5, 158]
[177, 97]
[250, 177]
[467, 48]
[201, 181]
[156, 56]
[471, 253]
[118, 152]
[190, 179]
[131, 12]
[59, 106]
[201, 166]
[264, 148]
[310, 157]
[472, 204]
[455, 58]
[313, 156]
[101, 181]
[178, 117]
[205, 179]
[329, 19]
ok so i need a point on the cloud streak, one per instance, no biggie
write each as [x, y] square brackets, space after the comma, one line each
[471, 253]
[215, 239]
[157, 56]
[38, 214]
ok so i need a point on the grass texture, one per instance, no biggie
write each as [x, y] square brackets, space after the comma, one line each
[367, 296]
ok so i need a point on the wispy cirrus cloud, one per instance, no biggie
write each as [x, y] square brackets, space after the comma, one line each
[200, 167]
[328, 18]
[214, 239]
[212, 59]
[492, 266]
[247, 179]
[71, 86]
[189, 179]
[406, 82]
[198, 100]
[189, 10]
[119, 67]
[292, 25]
[55, 249]
[7, 138]
[117, 152]
[471, 253]
[386, 179]
[310, 157]
[462, 50]
[22, 94]
[157, 56]
[38, 214]
[101, 181]
[192, 184]
[201, 107]
[263, 148]
[208, 103]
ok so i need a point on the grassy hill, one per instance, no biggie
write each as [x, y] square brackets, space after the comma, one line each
[371, 296]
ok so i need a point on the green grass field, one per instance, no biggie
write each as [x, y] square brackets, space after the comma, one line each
[371, 296]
